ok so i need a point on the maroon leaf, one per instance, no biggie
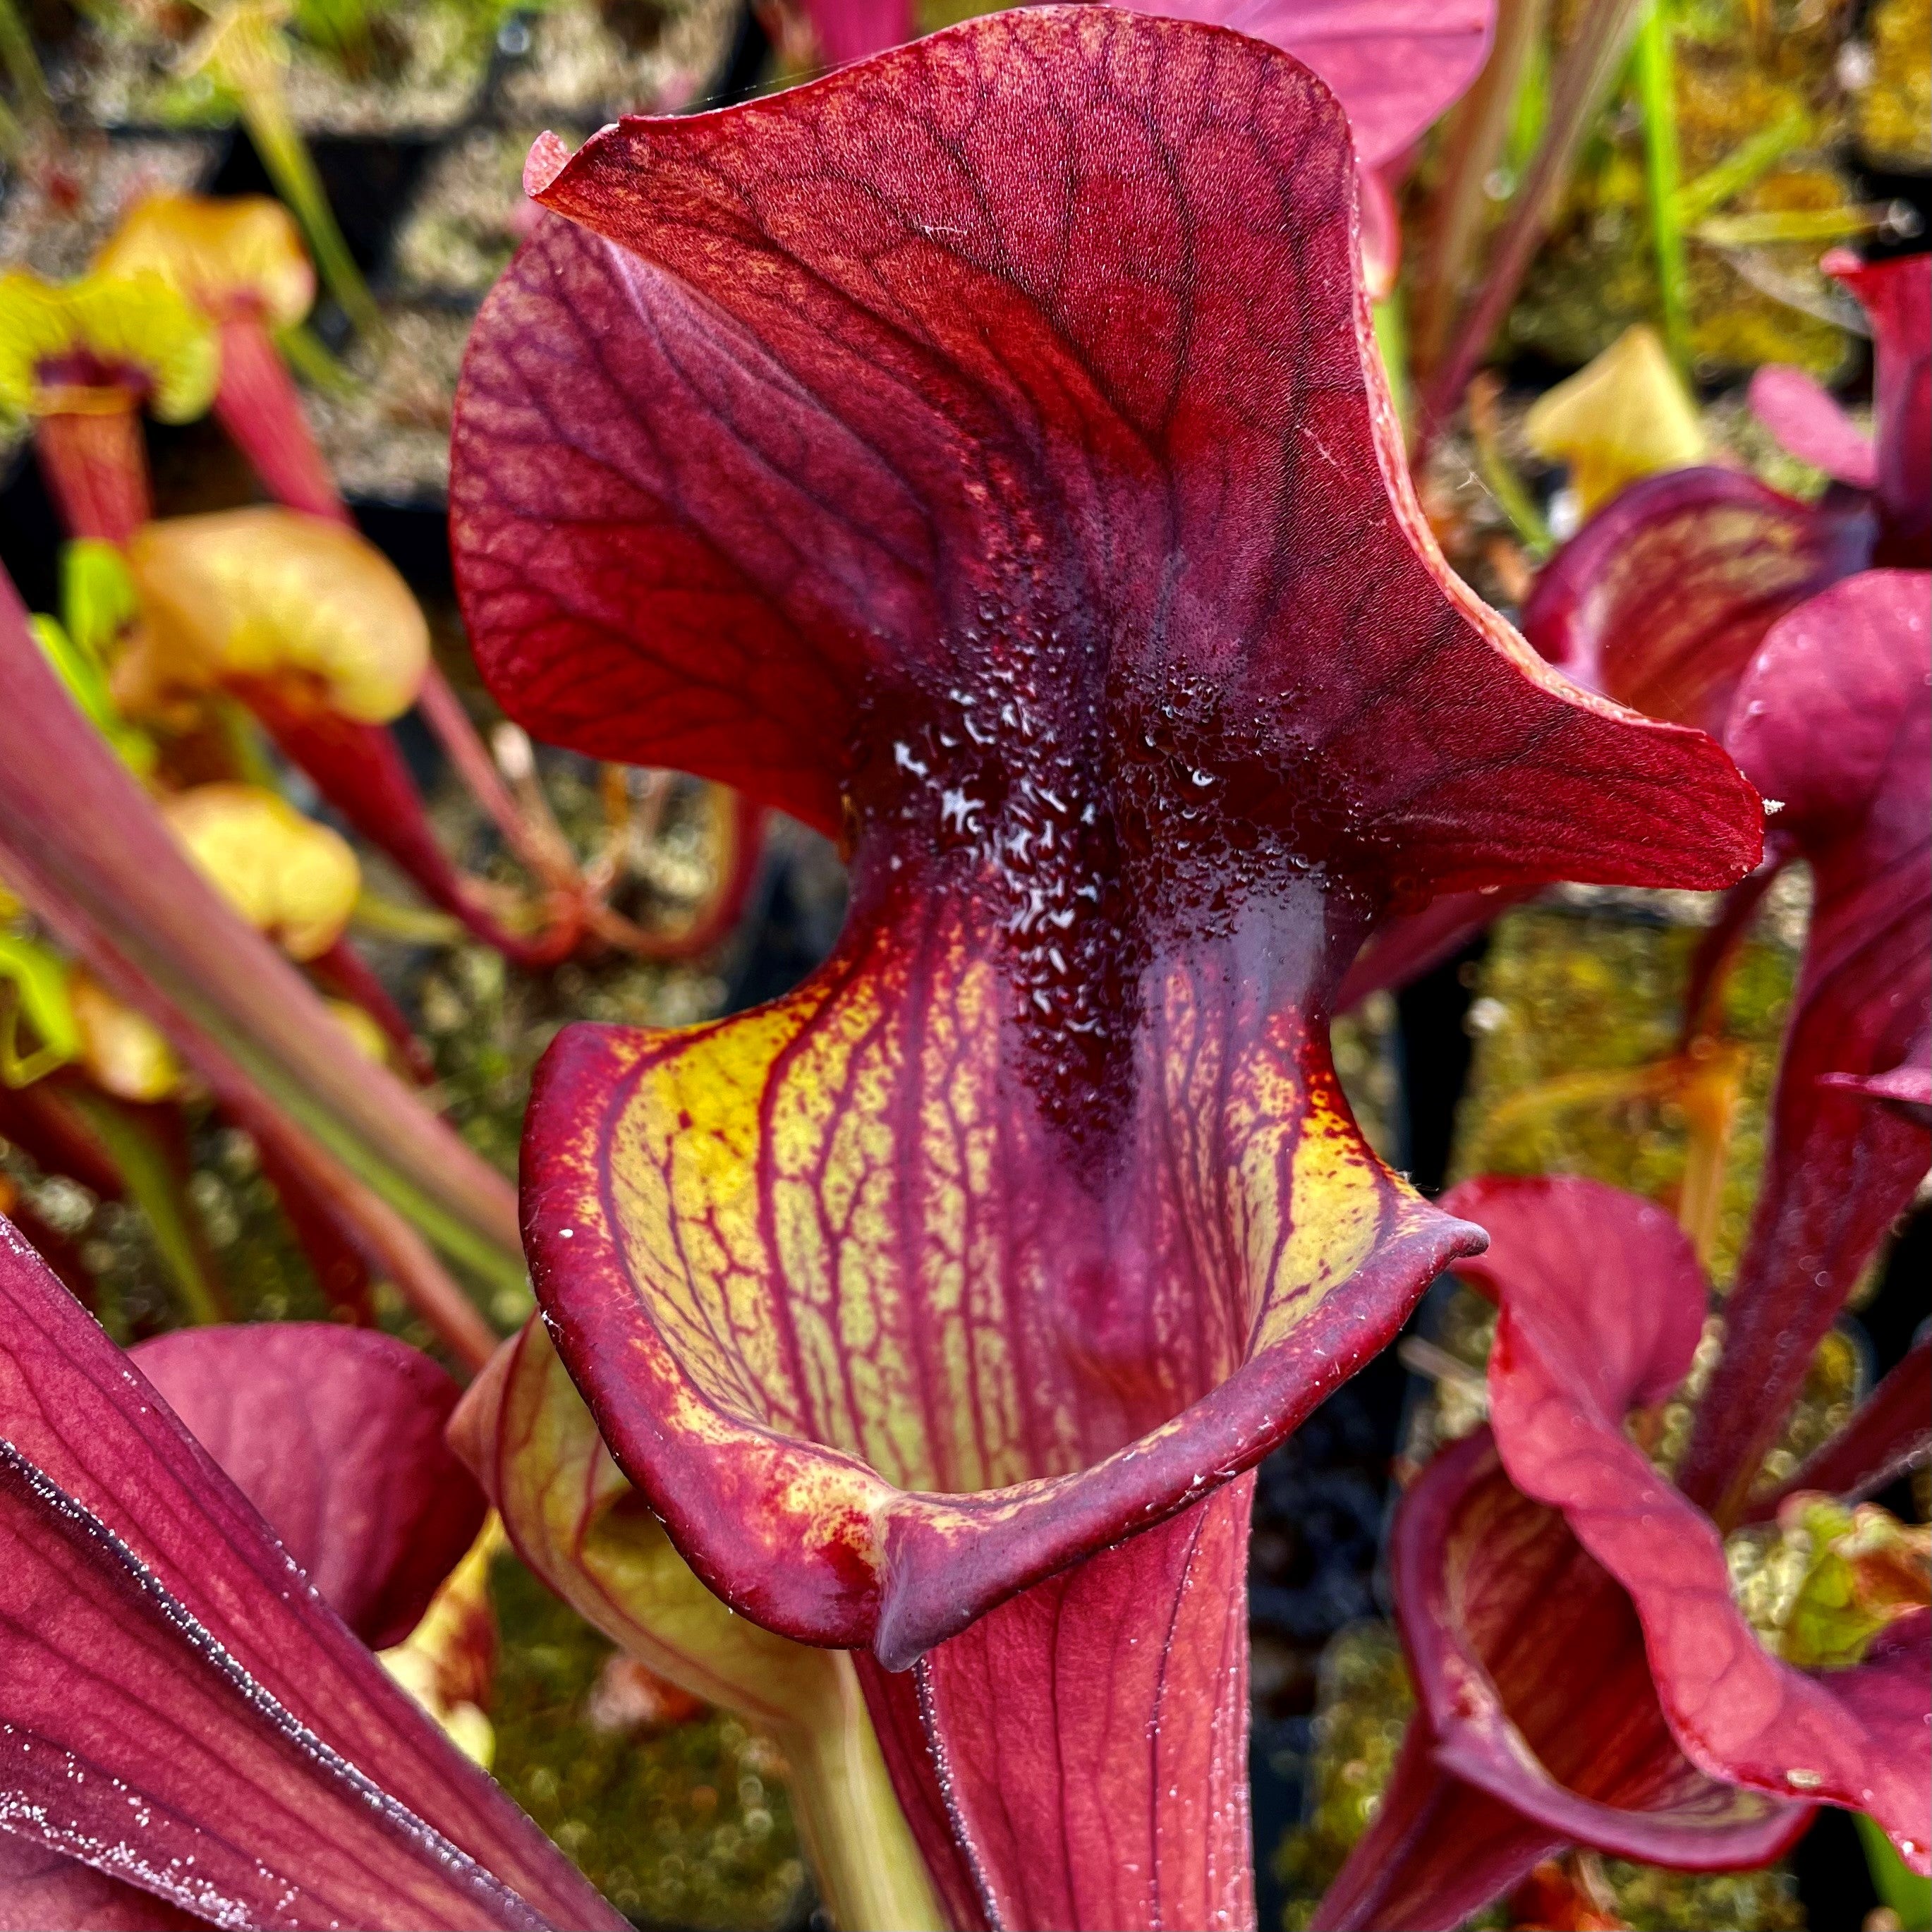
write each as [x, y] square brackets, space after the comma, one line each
[43, 1891]
[1805, 417]
[1833, 721]
[732, 599]
[181, 1710]
[1105, 1708]
[1119, 656]
[1898, 296]
[1536, 1699]
[1664, 599]
[1532, 1663]
[336, 1436]
[1601, 1303]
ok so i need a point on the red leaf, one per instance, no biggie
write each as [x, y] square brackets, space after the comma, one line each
[1089, 1738]
[1806, 417]
[1898, 296]
[911, 451]
[42, 1891]
[1832, 720]
[336, 1436]
[1629, 1339]
[1535, 1694]
[1396, 65]
[1601, 1301]
[1663, 599]
[724, 488]
[176, 1691]
[1531, 1662]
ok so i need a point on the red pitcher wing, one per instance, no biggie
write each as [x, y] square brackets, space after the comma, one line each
[841, 416]
[1833, 721]
[336, 1436]
[182, 1711]
[1537, 1707]
[1576, 1345]
[1663, 600]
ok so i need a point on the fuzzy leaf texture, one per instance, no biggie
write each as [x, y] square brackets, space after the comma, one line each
[982, 453]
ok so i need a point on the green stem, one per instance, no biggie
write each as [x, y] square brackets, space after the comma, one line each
[152, 1185]
[1909, 1896]
[1797, 224]
[1459, 207]
[863, 1852]
[414, 925]
[1499, 473]
[286, 156]
[1657, 93]
[1745, 164]
[503, 1267]
[1392, 339]
[1590, 64]
[313, 360]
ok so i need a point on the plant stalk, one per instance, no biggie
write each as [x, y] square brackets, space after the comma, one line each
[148, 1180]
[1739, 168]
[1459, 207]
[245, 55]
[1657, 91]
[95, 462]
[85, 846]
[260, 408]
[863, 1852]
[1589, 66]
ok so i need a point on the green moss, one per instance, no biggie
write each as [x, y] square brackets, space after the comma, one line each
[1362, 1707]
[1567, 988]
[1651, 1899]
[1894, 112]
[1742, 66]
[691, 1826]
